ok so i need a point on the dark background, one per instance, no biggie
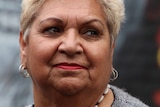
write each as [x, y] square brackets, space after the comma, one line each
[138, 50]
[137, 54]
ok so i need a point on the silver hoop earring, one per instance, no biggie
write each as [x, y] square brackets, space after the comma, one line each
[114, 75]
[23, 71]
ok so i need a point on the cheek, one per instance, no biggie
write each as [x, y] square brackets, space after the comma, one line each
[40, 53]
[100, 56]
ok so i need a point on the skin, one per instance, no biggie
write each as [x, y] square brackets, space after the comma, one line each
[68, 54]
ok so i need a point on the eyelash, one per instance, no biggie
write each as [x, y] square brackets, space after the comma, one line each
[91, 32]
[52, 31]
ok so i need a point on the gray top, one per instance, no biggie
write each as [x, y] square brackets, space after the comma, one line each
[122, 99]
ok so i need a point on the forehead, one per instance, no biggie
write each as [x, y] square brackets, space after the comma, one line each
[70, 8]
[72, 4]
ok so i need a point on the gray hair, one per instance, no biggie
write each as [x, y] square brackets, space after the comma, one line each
[114, 13]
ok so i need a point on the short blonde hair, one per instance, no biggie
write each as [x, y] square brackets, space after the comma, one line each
[114, 13]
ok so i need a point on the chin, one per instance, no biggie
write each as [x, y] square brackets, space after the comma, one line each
[70, 86]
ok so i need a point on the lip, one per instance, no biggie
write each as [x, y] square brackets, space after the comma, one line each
[69, 66]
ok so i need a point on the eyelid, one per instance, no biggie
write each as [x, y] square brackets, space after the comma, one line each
[52, 28]
[92, 30]
[91, 37]
[49, 23]
[47, 31]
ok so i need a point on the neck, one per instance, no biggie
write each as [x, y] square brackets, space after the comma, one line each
[56, 99]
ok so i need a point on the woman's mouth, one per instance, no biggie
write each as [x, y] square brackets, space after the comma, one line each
[69, 66]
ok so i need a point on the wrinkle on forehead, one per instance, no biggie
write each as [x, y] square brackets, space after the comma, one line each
[74, 4]
[72, 11]
[75, 7]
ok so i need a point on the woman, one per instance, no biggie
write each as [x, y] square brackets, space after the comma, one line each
[67, 48]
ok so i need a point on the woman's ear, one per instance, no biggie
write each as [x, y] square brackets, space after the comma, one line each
[23, 49]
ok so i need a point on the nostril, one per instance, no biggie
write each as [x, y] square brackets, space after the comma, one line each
[62, 51]
[70, 52]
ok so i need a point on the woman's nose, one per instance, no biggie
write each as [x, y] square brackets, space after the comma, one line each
[70, 44]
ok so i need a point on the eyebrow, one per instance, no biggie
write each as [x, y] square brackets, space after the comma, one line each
[52, 19]
[61, 21]
[93, 20]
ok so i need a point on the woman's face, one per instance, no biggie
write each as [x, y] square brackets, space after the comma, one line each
[69, 48]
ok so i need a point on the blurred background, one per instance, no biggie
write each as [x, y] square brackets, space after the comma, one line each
[137, 54]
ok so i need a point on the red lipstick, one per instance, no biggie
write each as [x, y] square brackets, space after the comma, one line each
[71, 66]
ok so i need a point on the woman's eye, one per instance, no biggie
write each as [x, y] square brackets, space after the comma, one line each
[52, 30]
[92, 33]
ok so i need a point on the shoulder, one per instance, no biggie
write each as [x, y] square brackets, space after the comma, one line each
[123, 99]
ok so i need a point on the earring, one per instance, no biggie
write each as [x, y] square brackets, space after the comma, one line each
[23, 71]
[114, 75]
